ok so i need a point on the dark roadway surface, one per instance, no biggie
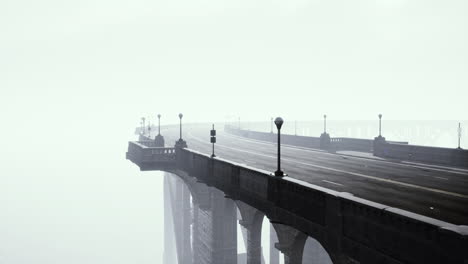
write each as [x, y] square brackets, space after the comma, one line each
[440, 193]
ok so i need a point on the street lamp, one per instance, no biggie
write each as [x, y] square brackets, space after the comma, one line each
[159, 124]
[144, 124]
[149, 128]
[295, 127]
[279, 122]
[271, 131]
[380, 125]
[324, 124]
[459, 135]
[180, 117]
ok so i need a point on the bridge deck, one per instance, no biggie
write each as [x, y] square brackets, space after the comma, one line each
[437, 192]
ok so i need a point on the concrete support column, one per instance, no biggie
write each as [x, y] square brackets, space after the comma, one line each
[252, 222]
[224, 217]
[291, 243]
[186, 225]
[254, 243]
[274, 253]
[195, 233]
[182, 220]
[169, 254]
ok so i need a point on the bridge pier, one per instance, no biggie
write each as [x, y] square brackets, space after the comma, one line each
[291, 243]
[182, 221]
[252, 222]
[214, 227]
[169, 254]
[274, 253]
[224, 217]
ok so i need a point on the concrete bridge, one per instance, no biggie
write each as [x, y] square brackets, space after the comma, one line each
[203, 225]
[349, 228]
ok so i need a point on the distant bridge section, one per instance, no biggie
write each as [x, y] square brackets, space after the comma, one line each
[379, 146]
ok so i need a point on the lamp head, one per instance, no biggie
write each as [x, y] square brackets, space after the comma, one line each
[279, 122]
[159, 115]
[181, 115]
[380, 116]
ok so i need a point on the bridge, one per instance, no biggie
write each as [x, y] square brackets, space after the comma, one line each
[360, 208]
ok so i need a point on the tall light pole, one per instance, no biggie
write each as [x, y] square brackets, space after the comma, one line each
[271, 130]
[324, 124]
[380, 125]
[149, 127]
[213, 140]
[459, 134]
[159, 124]
[295, 127]
[144, 124]
[180, 118]
[159, 139]
[279, 123]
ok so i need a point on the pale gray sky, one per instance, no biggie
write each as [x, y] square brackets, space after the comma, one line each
[76, 76]
[117, 60]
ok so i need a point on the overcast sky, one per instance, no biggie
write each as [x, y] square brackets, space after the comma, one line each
[111, 60]
[76, 76]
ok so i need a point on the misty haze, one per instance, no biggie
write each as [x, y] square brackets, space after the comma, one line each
[226, 132]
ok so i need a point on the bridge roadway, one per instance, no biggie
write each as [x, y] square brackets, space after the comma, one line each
[437, 192]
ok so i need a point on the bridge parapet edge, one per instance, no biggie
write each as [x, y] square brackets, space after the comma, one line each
[349, 221]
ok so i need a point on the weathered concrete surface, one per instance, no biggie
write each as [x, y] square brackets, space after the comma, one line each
[349, 228]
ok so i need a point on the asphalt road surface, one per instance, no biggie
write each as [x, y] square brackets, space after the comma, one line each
[434, 191]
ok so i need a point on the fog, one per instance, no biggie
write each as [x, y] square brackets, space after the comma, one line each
[76, 76]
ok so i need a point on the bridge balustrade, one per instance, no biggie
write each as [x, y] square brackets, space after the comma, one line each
[147, 156]
[447, 156]
[344, 224]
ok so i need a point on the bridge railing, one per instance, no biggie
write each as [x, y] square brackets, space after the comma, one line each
[447, 156]
[324, 213]
[338, 143]
[142, 152]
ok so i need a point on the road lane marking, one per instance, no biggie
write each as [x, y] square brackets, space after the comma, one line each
[442, 178]
[339, 184]
[420, 166]
[345, 172]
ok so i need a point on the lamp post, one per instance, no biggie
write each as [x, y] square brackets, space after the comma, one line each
[271, 131]
[295, 127]
[213, 140]
[144, 124]
[149, 127]
[159, 139]
[459, 135]
[324, 124]
[180, 118]
[380, 125]
[279, 122]
[159, 124]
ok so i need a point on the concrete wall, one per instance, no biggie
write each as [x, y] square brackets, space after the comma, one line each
[350, 229]
[308, 142]
[148, 157]
[446, 156]
[336, 144]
